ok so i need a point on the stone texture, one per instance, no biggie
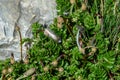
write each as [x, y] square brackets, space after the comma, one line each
[24, 13]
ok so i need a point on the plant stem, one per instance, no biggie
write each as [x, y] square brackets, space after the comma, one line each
[20, 44]
[18, 29]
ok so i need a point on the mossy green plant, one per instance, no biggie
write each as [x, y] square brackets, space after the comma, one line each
[64, 61]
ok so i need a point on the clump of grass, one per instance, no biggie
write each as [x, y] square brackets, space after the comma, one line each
[100, 42]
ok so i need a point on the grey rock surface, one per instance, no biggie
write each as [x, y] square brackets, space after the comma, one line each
[24, 13]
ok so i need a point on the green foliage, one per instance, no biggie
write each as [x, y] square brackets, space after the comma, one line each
[64, 61]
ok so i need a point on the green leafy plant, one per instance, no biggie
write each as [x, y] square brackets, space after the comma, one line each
[101, 43]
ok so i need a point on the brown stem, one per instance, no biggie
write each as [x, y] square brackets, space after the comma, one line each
[60, 57]
[70, 31]
[18, 29]
[20, 44]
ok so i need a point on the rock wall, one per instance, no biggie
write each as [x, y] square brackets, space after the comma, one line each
[23, 13]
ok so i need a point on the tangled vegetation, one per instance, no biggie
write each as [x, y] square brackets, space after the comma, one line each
[99, 57]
